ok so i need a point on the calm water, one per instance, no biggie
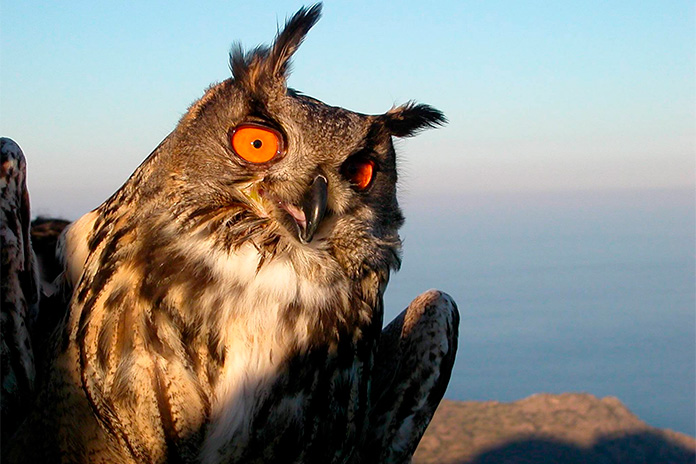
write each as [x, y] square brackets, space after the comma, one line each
[591, 292]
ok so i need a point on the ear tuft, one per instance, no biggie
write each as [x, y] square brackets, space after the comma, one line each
[264, 65]
[290, 39]
[407, 120]
[246, 67]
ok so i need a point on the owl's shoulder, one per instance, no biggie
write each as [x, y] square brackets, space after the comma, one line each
[73, 247]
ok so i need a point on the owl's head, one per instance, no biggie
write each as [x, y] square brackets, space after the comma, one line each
[256, 160]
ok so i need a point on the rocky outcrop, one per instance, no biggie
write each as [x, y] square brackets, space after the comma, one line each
[569, 428]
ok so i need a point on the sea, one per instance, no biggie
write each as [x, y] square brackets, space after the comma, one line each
[563, 292]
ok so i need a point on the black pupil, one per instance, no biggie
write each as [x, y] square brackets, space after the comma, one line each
[257, 143]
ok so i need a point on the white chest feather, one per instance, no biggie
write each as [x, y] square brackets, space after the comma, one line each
[255, 338]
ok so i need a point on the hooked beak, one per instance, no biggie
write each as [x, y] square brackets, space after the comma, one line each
[314, 208]
[308, 215]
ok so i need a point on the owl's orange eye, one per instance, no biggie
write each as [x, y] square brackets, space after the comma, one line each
[359, 172]
[256, 144]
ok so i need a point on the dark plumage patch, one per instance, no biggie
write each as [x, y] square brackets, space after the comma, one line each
[407, 120]
[44, 238]
[164, 407]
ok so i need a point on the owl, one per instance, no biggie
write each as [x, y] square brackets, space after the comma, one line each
[225, 305]
[20, 288]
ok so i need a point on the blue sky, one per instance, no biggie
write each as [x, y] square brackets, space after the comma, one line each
[541, 96]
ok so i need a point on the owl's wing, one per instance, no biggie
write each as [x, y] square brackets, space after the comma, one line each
[20, 289]
[412, 369]
[33, 299]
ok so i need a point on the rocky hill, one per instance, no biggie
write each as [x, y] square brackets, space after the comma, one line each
[569, 428]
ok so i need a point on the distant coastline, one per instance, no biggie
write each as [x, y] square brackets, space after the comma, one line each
[543, 429]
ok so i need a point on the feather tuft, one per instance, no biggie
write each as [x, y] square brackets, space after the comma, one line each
[409, 119]
[271, 65]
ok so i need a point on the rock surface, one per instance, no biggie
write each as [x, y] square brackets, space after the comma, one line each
[568, 428]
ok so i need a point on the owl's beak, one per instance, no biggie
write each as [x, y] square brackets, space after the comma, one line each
[314, 208]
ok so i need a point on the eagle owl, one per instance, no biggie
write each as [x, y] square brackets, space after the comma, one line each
[226, 303]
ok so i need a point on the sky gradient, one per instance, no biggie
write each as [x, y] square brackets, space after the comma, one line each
[540, 96]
